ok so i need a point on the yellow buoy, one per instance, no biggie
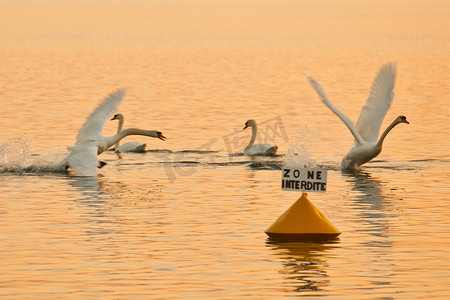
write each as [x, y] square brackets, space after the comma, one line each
[302, 221]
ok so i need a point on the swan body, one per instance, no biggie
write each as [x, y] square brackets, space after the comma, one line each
[82, 158]
[257, 149]
[129, 146]
[365, 133]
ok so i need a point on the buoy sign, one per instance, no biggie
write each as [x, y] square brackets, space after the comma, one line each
[306, 180]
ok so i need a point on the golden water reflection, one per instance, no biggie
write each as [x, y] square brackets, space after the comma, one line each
[174, 223]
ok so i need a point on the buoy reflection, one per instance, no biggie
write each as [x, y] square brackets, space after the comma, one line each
[304, 264]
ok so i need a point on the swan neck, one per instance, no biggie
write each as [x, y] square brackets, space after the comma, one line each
[252, 140]
[113, 140]
[136, 131]
[383, 136]
[119, 128]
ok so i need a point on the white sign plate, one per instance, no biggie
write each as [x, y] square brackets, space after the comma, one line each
[305, 180]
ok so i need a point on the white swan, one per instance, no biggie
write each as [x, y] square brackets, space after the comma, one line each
[258, 149]
[130, 146]
[370, 118]
[83, 158]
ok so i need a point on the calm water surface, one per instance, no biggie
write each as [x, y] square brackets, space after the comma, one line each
[186, 219]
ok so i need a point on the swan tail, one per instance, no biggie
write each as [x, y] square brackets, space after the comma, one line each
[272, 150]
[141, 148]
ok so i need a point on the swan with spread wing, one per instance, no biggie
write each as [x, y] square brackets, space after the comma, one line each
[367, 145]
[82, 158]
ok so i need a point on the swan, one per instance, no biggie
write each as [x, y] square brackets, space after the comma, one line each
[258, 149]
[82, 158]
[367, 127]
[130, 146]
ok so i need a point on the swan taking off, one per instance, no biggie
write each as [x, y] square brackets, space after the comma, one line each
[130, 146]
[367, 127]
[82, 158]
[257, 149]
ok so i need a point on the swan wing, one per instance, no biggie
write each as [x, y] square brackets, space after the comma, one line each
[93, 127]
[336, 111]
[378, 103]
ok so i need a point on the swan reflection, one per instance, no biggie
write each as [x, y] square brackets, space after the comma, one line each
[367, 185]
[98, 189]
[374, 223]
[89, 186]
[370, 199]
[373, 206]
[107, 207]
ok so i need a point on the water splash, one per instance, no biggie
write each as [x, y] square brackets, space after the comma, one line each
[13, 154]
[15, 157]
[298, 155]
[46, 163]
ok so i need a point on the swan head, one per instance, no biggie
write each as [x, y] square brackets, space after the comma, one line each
[402, 119]
[160, 135]
[249, 123]
[117, 117]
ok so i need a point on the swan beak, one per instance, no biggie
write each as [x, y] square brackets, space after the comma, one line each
[405, 121]
[160, 136]
[113, 118]
[245, 126]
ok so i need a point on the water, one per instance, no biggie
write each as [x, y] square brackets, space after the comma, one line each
[186, 219]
